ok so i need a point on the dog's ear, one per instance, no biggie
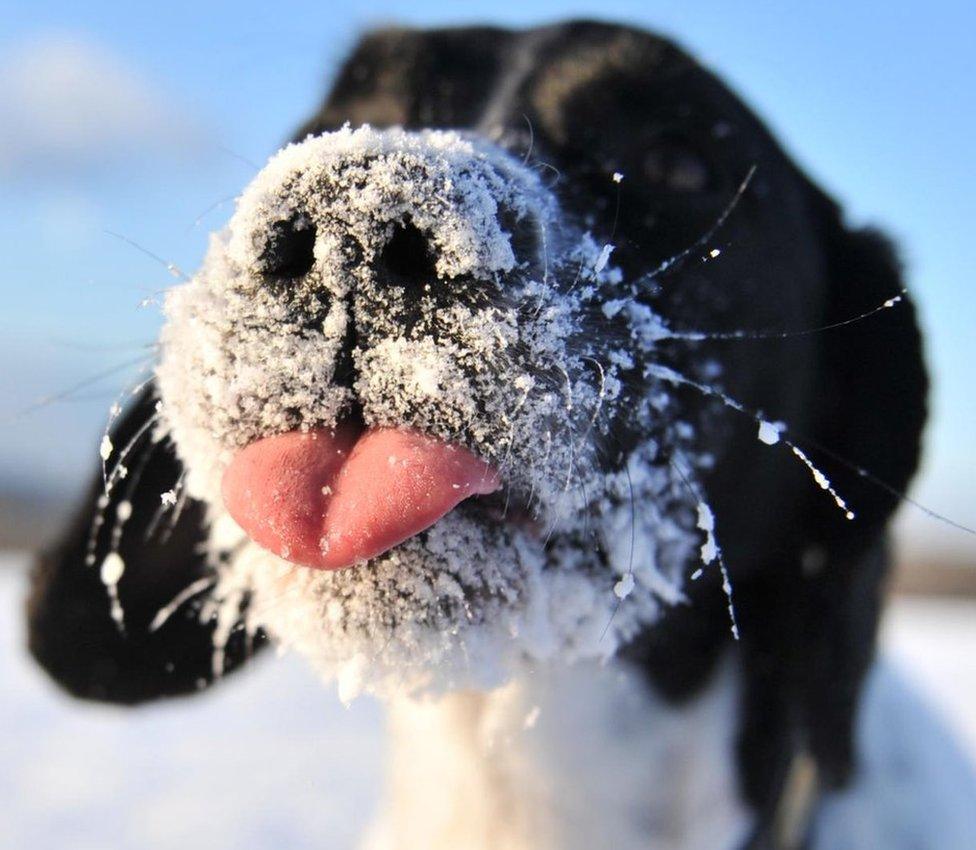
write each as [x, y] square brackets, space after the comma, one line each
[872, 397]
[71, 630]
[415, 79]
[870, 415]
[809, 622]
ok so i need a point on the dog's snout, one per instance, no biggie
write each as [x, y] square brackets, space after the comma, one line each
[407, 259]
[390, 217]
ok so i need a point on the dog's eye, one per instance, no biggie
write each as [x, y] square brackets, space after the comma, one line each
[676, 167]
[407, 259]
[290, 249]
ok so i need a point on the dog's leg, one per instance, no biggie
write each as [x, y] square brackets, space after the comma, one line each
[808, 641]
[842, 610]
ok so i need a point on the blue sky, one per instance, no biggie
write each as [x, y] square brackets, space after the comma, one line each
[142, 118]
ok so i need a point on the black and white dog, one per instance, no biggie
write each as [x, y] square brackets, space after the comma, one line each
[500, 397]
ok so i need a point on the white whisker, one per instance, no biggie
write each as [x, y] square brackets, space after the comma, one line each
[665, 373]
[187, 593]
[699, 336]
[710, 550]
[706, 237]
[172, 268]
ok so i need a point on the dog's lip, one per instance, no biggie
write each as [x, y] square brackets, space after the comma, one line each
[332, 498]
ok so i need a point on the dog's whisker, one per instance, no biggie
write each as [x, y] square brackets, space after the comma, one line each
[181, 501]
[768, 432]
[119, 471]
[568, 387]
[708, 235]
[102, 503]
[578, 277]
[512, 416]
[106, 448]
[78, 345]
[132, 482]
[623, 587]
[68, 393]
[239, 157]
[543, 464]
[560, 509]
[821, 480]
[185, 595]
[585, 506]
[167, 500]
[601, 395]
[699, 336]
[867, 475]
[539, 164]
[710, 549]
[214, 206]
[668, 374]
[113, 565]
[172, 268]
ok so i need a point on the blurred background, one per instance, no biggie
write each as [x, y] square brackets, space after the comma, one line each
[126, 130]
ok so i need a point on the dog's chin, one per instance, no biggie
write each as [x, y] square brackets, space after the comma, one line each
[467, 603]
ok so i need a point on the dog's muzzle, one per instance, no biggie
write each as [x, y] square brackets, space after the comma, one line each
[329, 495]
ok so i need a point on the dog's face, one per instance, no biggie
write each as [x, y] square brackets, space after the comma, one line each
[435, 401]
[403, 371]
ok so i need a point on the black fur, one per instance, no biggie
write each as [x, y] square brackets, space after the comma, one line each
[71, 631]
[593, 99]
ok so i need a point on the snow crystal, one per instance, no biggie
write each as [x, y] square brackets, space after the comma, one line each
[623, 587]
[111, 573]
[823, 482]
[168, 498]
[706, 522]
[603, 259]
[105, 449]
[112, 568]
[769, 432]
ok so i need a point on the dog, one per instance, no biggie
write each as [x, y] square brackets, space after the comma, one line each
[527, 390]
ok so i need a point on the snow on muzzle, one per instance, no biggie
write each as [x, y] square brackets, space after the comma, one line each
[331, 498]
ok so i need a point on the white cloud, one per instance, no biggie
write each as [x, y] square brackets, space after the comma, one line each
[70, 106]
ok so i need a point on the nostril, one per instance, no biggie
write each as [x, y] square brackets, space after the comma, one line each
[407, 258]
[290, 249]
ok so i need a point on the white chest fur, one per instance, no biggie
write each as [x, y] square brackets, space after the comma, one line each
[564, 759]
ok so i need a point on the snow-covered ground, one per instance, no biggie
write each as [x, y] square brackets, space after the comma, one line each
[934, 642]
[271, 759]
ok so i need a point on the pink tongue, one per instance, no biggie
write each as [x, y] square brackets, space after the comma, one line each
[330, 498]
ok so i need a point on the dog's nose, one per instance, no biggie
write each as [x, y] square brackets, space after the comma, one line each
[407, 260]
[393, 210]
